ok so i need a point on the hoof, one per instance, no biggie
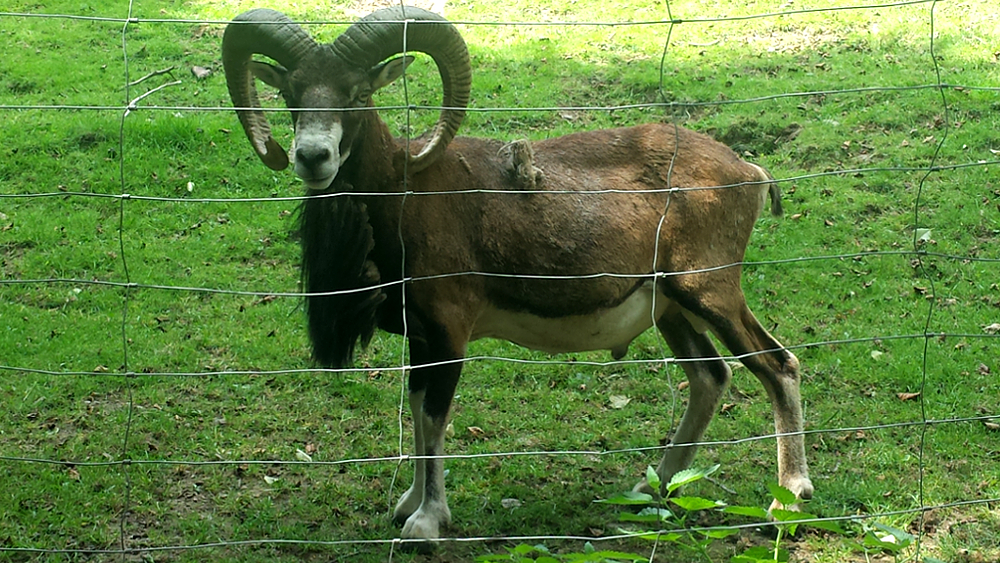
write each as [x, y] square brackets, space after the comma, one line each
[802, 487]
[425, 525]
[643, 487]
[406, 507]
[420, 547]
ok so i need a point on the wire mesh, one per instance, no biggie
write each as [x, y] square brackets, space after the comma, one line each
[129, 286]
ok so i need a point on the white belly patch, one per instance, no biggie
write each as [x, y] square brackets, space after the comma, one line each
[606, 329]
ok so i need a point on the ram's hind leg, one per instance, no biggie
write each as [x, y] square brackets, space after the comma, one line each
[776, 368]
[708, 377]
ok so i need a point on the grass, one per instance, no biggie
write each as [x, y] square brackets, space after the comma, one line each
[215, 391]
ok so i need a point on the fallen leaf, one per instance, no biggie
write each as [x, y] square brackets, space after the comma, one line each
[992, 426]
[510, 503]
[270, 480]
[993, 328]
[876, 354]
[683, 385]
[477, 432]
[618, 401]
[201, 72]
[727, 407]
[983, 369]
[302, 456]
[907, 396]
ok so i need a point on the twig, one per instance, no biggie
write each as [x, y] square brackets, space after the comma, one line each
[719, 484]
[132, 104]
[150, 75]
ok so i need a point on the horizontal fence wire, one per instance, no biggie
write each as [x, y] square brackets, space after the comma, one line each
[532, 539]
[509, 454]
[130, 287]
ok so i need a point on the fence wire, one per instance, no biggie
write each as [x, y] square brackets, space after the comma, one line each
[129, 287]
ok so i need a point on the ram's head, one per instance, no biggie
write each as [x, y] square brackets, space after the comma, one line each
[328, 87]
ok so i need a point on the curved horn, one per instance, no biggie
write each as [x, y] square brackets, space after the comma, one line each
[380, 35]
[272, 34]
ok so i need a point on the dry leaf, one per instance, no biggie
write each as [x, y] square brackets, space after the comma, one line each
[992, 426]
[683, 385]
[618, 401]
[727, 407]
[993, 328]
[302, 456]
[270, 480]
[201, 72]
[477, 432]
[907, 396]
[983, 369]
[510, 503]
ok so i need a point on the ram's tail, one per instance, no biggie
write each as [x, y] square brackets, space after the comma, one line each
[773, 190]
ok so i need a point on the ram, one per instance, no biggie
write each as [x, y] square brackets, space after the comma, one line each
[567, 244]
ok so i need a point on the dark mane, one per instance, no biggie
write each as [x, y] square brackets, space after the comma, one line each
[336, 242]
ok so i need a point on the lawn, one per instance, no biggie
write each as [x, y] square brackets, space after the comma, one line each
[155, 374]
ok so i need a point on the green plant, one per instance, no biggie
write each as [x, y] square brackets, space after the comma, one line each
[540, 554]
[673, 515]
[884, 539]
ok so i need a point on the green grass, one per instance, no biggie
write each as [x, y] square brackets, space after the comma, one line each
[218, 429]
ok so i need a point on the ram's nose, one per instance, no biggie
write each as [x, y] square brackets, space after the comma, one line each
[312, 160]
[316, 153]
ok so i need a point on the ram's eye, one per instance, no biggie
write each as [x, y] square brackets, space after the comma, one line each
[361, 98]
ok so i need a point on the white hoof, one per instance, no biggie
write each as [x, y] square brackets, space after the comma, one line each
[425, 525]
[803, 489]
[643, 487]
[406, 506]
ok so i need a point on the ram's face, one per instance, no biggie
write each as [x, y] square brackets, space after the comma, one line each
[325, 108]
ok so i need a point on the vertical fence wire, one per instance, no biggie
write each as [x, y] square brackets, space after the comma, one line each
[128, 380]
[128, 287]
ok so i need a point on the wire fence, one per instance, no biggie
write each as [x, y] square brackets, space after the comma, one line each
[130, 286]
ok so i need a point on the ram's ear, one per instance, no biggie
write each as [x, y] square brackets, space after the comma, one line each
[387, 72]
[275, 76]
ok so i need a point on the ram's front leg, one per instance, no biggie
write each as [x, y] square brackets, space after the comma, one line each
[414, 496]
[424, 508]
[431, 513]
